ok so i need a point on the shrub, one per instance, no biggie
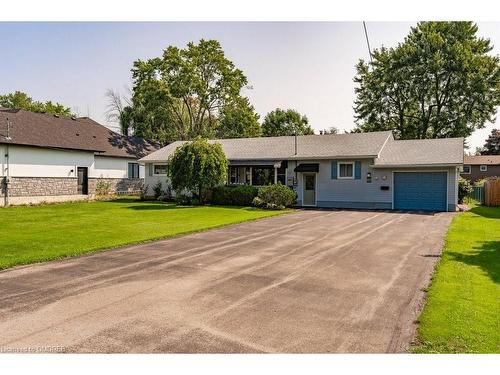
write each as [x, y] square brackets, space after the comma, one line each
[464, 189]
[480, 182]
[143, 190]
[157, 190]
[103, 187]
[165, 195]
[275, 197]
[184, 200]
[242, 195]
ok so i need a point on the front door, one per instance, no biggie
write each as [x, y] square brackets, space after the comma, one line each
[83, 182]
[309, 196]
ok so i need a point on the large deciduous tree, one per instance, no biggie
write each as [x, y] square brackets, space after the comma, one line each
[197, 166]
[440, 82]
[21, 100]
[182, 94]
[238, 120]
[492, 145]
[285, 122]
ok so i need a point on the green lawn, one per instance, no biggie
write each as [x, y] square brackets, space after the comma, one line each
[462, 314]
[31, 234]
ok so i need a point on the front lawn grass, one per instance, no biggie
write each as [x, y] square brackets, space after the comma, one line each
[31, 234]
[462, 314]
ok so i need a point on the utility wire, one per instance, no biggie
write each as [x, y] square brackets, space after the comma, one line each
[368, 42]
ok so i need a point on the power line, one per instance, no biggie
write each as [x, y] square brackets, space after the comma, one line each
[368, 42]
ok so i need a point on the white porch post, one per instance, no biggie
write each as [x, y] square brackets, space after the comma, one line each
[275, 175]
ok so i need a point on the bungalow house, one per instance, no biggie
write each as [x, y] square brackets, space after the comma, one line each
[45, 157]
[365, 170]
[479, 167]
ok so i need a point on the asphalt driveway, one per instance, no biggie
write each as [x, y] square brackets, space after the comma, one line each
[309, 282]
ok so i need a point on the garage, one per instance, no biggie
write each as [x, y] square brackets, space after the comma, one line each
[420, 191]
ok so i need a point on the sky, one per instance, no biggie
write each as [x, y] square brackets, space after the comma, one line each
[307, 66]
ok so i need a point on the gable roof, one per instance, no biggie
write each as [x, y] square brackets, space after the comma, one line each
[46, 130]
[422, 152]
[482, 160]
[358, 145]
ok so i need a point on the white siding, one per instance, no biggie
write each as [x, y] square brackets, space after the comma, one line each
[109, 167]
[42, 162]
[152, 180]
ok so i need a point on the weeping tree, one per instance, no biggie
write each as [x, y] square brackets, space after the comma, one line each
[440, 82]
[197, 166]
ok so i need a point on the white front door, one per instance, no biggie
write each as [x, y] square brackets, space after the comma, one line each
[309, 189]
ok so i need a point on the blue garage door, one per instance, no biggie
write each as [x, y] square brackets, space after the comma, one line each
[420, 191]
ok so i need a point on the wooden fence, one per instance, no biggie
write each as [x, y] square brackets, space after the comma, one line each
[492, 192]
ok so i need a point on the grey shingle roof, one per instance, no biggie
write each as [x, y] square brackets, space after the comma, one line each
[390, 152]
[422, 152]
[308, 147]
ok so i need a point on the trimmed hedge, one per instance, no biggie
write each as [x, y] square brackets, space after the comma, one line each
[241, 195]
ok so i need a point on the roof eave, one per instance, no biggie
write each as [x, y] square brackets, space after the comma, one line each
[50, 147]
[427, 165]
[294, 157]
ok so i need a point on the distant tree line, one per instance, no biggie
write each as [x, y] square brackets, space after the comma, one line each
[21, 100]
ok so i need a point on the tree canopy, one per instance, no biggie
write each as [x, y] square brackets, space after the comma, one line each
[197, 166]
[285, 122]
[492, 144]
[185, 93]
[440, 82]
[21, 100]
[238, 119]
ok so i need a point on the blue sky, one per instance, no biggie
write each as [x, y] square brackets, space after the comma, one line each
[300, 65]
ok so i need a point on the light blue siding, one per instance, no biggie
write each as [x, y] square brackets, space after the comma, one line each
[420, 191]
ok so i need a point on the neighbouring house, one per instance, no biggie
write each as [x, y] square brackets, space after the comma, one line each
[51, 158]
[360, 170]
[479, 167]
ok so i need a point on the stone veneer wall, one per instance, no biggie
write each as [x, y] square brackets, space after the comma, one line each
[117, 185]
[40, 186]
[53, 186]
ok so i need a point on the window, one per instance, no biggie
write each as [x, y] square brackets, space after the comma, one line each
[133, 170]
[345, 170]
[159, 169]
[262, 176]
[483, 168]
[466, 169]
[239, 175]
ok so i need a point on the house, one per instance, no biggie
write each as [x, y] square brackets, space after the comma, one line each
[479, 167]
[360, 170]
[47, 157]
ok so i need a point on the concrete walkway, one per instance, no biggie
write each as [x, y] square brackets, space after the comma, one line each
[308, 282]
